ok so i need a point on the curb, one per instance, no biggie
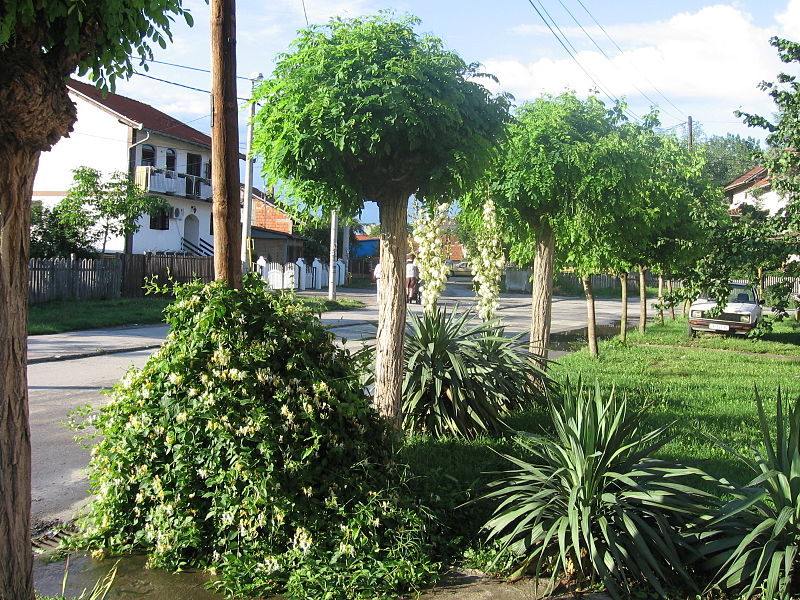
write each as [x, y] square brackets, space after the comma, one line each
[101, 352]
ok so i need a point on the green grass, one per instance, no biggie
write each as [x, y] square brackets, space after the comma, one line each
[360, 282]
[784, 338]
[56, 317]
[706, 391]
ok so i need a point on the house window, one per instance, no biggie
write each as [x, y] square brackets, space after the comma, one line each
[148, 156]
[171, 162]
[159, 220]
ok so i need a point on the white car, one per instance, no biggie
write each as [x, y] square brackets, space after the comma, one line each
[741, 314]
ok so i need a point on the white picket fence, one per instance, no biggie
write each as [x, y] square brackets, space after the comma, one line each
[298, 275]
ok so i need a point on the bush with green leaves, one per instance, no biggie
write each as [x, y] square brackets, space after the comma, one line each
[247, 445]
[753, 542]
[592, 504]
[463, 377]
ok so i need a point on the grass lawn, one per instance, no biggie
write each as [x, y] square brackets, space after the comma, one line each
[55, 317]
[705, 389]
[784, 338]
[702, 389]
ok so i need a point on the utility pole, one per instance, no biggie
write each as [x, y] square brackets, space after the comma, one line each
[332, 259]
[247, 202]
[225, 144]
[690, 136]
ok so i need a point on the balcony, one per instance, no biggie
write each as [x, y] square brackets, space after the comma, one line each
[172, 183]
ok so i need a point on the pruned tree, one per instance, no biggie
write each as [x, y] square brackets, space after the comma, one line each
[367, 109]
[41, 44]
[543, 175]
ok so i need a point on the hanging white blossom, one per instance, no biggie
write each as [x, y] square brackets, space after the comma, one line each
[431, 258]
[488, 263]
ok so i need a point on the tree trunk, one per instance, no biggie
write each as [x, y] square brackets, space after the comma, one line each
[623, 317]
[591, 329]
[542, 291]
[671, 290]
[16, 184]
[660, 299]
[225, 145]
[642, 299]
[391, 309]
[761, 282]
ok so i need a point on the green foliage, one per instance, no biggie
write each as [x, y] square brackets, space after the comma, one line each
[593, 503]
[781, 157]
[363, 107]
[246, 445]
[464, 378]
[113, 206]
[98, 36]
[754, 540]
[727, 157]
[54, 236]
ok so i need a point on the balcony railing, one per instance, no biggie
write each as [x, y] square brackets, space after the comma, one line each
[172, 183]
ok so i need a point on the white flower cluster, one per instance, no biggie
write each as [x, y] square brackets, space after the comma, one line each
[431, 252]
[488, 263]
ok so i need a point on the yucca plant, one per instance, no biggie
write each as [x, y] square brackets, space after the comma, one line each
[463, 377]
[589, 503]
[753, 542]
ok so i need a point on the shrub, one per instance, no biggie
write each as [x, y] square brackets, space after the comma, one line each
[592, 503]
[753, 542]
[246, 445]
[462, 378]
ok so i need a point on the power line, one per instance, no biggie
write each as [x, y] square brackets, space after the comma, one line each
[188, 87]
[188, 68]
[603, 29]
[603, 52]
[563, 42]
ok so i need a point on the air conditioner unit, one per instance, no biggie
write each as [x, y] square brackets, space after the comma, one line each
[175, 212]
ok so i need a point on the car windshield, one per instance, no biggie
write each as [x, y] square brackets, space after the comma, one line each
[740, 294]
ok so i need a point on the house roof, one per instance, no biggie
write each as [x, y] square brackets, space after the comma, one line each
[363, 238]
[755, 177]
[140, 114]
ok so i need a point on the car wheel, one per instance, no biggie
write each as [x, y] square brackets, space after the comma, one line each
[692, 333]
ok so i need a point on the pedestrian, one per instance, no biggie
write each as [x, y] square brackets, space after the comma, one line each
[412, 280]
[376, 275]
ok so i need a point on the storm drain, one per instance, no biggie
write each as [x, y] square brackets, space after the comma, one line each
[50, 541]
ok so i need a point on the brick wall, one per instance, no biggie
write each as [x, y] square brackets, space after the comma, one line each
[269, 217]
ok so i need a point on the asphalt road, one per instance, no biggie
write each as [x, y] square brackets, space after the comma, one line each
[59, 386]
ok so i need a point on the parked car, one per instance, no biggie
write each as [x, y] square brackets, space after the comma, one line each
[461, 268]
[741, 314]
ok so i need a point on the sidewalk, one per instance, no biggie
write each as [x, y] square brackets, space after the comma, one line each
[353, 325]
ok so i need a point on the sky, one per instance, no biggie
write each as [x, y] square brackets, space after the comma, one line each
[690, 58]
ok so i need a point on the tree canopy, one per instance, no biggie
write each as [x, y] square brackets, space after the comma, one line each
[363, 105]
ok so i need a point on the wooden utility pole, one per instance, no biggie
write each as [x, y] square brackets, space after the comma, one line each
[690, 136]
[225, 144]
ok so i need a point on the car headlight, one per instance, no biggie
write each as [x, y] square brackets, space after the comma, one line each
[697, 314]
[744, 318]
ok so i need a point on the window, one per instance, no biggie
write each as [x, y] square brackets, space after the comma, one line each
[148, 156]
[171, 162]
[159, 220]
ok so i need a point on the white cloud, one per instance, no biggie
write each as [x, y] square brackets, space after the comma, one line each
[715, 53]
[789, 21]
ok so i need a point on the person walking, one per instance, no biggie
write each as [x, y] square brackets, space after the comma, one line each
[376, 275]
[412, 280]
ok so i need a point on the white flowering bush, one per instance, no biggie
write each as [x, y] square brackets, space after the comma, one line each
[246, 446]
[488, 263]
[431, 251]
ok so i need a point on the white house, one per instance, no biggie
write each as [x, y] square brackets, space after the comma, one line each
[162, 154]
[754, 188]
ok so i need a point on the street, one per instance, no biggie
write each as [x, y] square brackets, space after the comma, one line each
[59, 386]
